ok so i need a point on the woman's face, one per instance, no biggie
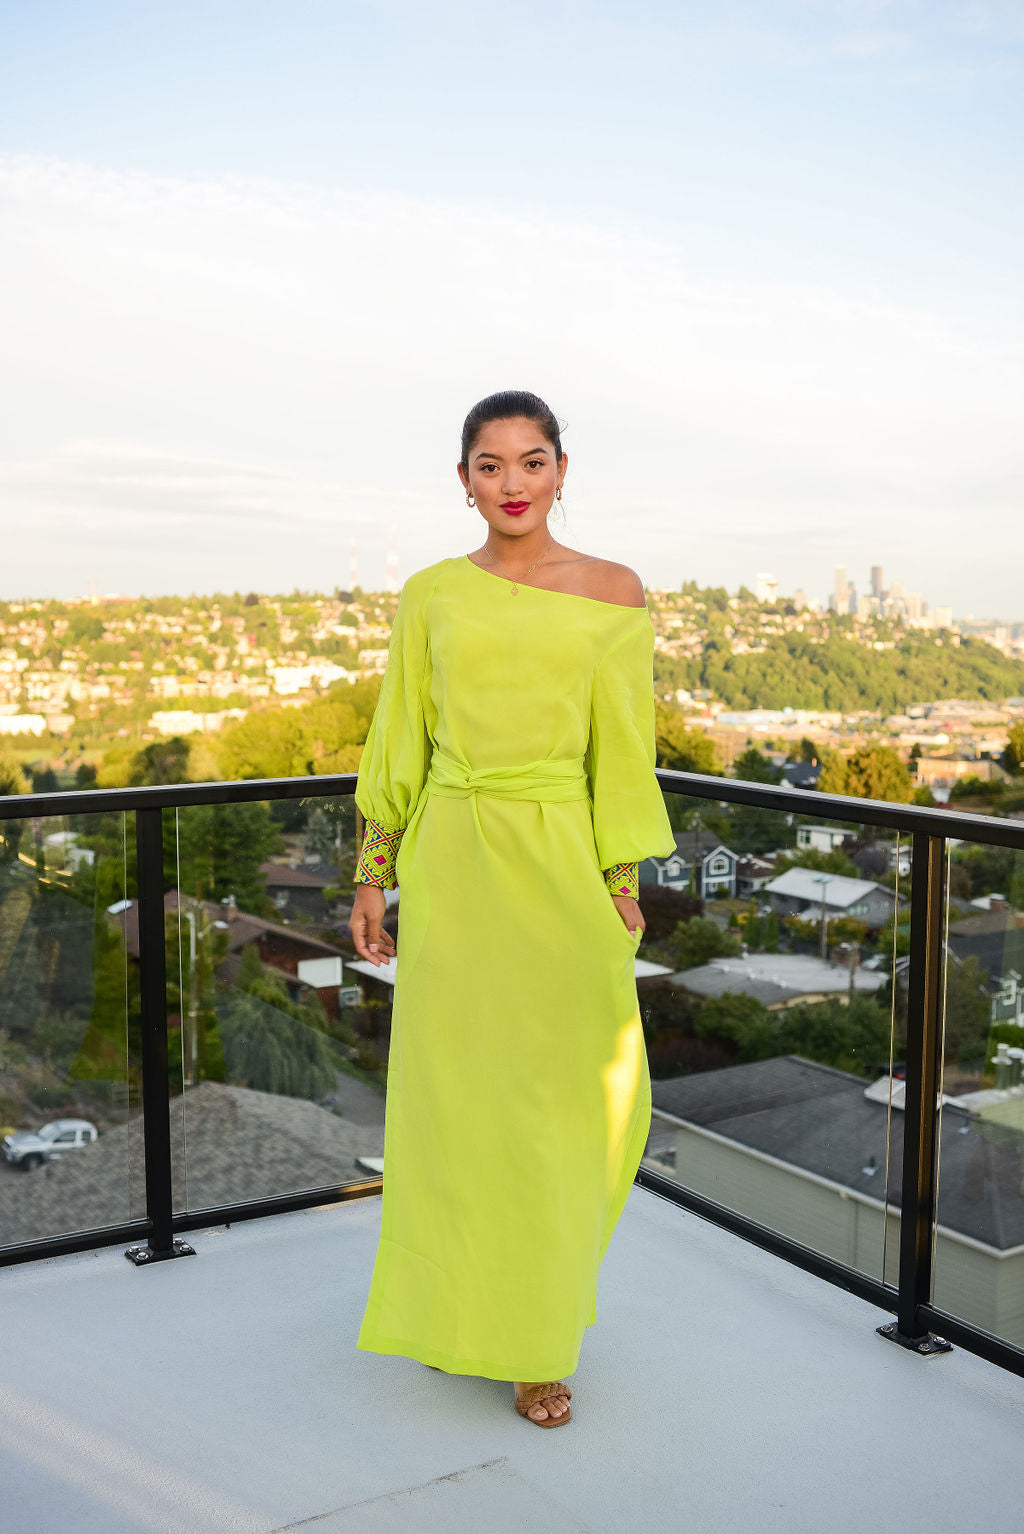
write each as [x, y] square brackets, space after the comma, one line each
[513, 474]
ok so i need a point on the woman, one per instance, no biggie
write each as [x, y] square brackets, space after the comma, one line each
[508, 788]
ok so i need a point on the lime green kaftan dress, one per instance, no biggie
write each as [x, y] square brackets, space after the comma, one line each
[510, 760]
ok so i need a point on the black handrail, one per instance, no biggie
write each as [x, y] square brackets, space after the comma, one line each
[906, 818]
[931, 830]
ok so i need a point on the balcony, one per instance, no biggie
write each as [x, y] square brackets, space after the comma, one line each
[721, 1389]
[812, 1175]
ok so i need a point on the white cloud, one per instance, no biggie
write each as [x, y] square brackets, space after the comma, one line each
[218, 385]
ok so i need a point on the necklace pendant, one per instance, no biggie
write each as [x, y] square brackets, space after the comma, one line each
[515, 589]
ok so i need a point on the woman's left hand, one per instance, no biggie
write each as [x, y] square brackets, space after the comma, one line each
[629, 910]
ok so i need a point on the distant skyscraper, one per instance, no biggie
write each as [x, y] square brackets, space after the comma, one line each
[841, 590]
[876, 582]
[766, 588]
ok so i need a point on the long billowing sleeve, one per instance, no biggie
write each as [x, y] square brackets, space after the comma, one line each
[396, 756]
[630, 818]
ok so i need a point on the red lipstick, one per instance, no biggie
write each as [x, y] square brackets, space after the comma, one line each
[514, 508]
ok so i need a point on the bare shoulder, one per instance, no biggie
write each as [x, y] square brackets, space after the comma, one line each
[612, 582]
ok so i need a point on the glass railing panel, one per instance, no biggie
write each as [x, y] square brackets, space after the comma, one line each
[768, 979]
[277, 1044]
[70, 1089]
[978, 1256]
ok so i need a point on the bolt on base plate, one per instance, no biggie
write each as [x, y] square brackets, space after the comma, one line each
[926, 1345]
[141, 1256]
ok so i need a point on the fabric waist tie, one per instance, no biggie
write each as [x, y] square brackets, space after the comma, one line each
[563, 778]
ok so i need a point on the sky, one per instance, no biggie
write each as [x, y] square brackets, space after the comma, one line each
[763, 259]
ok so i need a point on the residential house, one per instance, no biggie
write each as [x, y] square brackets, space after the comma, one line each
[299, 891]
[996, 939]
[305, 963]
[804, 1149]
[822, 838]
[806, 893]
[700, 860]
[944, 771]
[801, 774]
[778, 980]
[752, 874]
[873, 858]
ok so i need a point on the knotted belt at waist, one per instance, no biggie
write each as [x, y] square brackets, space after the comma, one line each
[562, 778]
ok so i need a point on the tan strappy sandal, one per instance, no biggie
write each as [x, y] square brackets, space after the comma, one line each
[537, 1393]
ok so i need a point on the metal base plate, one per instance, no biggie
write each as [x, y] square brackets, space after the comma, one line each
[142, 1256]
[926, 1345]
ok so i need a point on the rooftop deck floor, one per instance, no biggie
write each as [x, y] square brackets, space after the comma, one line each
[720, 1390]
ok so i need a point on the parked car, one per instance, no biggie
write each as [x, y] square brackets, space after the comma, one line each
[28, 1148]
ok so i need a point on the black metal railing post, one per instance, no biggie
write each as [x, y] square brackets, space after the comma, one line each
[919, 1186]
[156, 1115]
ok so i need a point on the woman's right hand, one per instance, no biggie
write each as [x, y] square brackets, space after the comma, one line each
[369, 937]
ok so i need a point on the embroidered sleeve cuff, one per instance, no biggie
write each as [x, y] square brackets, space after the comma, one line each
[622, 879]
[378, 856]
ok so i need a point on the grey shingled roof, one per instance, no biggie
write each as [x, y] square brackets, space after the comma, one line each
[818, 1119]
[994, 938]
[840, 892]
[241, 1145]
[283, 876]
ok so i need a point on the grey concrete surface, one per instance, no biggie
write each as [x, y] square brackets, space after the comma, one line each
[720, 1390]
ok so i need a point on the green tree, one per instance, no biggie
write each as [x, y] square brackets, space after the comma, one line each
[877, 772]
[12, 781]
[164, 761]
[990, 869]
[742, 1020]
[212, 851]
[833, 776]
[753, 929]
[848, 1035]
[1015, 894]
[84, 629]
[681, 748]
[974, 787]
[834, 862]
[272, 1044]
[1013, 755]
[319, 838]
[751, 766]
[851, 1036]
[325, 736]
[699, 940]
[968, 1012]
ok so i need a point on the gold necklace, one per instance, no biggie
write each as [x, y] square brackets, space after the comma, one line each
[515, 587]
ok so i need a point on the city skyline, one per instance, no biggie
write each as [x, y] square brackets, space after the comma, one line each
[765, 586]
[763, 261]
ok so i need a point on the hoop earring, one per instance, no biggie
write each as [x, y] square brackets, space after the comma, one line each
[558, 493]
[470, 500]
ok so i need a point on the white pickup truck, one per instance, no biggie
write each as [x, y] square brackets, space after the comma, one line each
[28, 1148]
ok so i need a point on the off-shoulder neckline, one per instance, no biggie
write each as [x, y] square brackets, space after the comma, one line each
[622, 607]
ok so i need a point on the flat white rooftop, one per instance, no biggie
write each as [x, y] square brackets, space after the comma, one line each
[721, 1390]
